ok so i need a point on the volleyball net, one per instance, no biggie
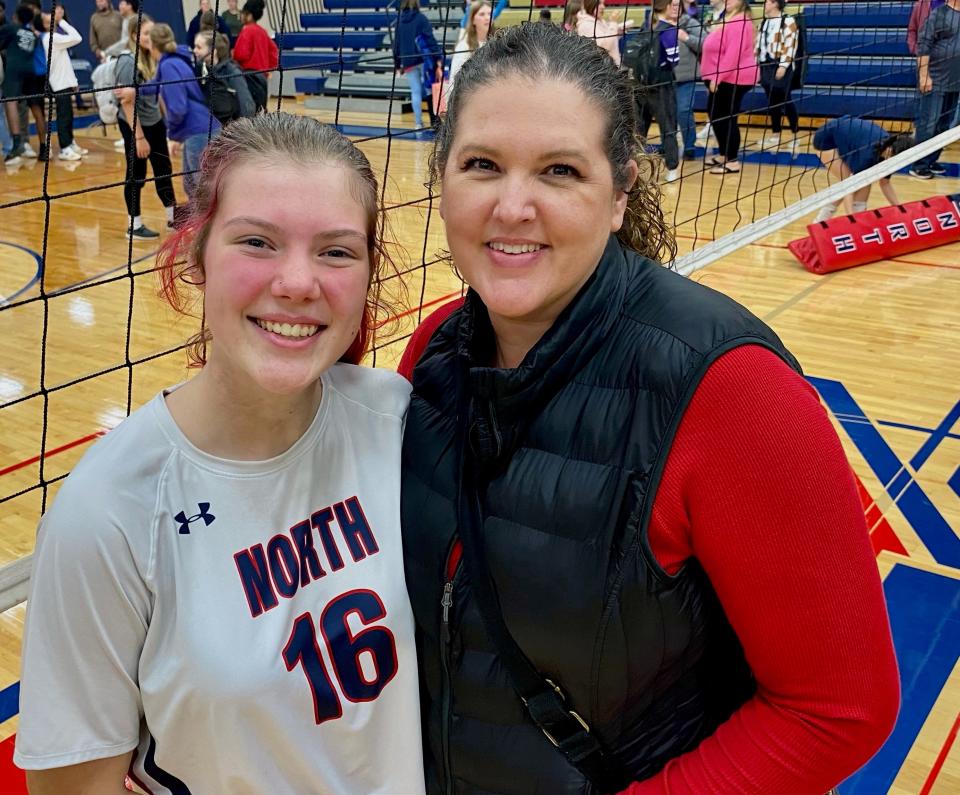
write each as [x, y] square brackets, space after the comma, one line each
[84, 338]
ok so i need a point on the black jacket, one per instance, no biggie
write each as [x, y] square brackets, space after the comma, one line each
[572, 444]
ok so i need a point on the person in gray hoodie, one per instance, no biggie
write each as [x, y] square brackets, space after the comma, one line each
[687, 75]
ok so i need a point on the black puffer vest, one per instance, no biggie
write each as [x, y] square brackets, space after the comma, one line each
[573, 443]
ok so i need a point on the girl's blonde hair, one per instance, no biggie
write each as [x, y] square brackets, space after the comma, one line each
[143, 58]
[161, 36]
[472, 41]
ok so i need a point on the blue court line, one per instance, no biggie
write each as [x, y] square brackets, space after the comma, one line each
[9, 702]
[918, 428]
[922, 606]
[954, 482]
[36, 276]
[938, 435]
[928, 523]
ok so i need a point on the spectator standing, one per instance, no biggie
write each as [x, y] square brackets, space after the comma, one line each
[407, 55]
[473, 36]
[570, 11]
[128, 15]
[256, 53]
[497, 8]
[6, 142]
[687, 73]
[730, 70]
[776, 55]
[607, 34]
[234, 20]
[19, 40]
[144, 131]
[63, 80]
[658, 99]
[938, 65]
[195, 23]
[189, 122]
[106, 27]
[221, 80]
[918, 15]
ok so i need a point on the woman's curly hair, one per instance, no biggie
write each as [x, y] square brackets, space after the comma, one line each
[547, 52]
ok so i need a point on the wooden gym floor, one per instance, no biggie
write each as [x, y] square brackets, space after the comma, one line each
[881, 343]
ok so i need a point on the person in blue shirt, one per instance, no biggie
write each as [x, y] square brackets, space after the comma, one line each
[849, 145]
[408, 53]
[659, 100]
[190, 125]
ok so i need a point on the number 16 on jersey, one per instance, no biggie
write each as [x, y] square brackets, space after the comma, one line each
[347, 650]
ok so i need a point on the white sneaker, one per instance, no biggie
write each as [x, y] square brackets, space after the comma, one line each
[28, 150]
[826, 213]
[119, 144]
[673, 175]
[68, 154]
[78, 149]
[703, 133]
[795, 147]
[771, 142]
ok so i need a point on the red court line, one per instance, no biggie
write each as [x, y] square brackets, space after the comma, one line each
[53, 451]
[941, 758]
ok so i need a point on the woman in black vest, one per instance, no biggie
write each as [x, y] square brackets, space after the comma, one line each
[633, 546]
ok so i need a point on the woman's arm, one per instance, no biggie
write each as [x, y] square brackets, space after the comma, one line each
[63, 41]
[758, 489]
[99, 777]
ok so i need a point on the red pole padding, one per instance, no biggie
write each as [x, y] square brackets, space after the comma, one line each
[849, 240]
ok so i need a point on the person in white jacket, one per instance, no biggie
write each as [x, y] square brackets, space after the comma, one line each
[63, 80]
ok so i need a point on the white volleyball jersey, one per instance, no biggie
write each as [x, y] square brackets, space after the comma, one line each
[243, 626]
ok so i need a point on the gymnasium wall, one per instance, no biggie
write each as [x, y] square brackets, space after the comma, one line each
[79, 12]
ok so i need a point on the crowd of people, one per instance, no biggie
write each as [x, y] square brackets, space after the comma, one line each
[730, 51]
[170, 98]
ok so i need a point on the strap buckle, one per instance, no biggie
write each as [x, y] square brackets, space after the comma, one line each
[571, 713]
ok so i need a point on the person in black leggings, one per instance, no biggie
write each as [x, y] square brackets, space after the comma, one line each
[776, 53]
[148, 139]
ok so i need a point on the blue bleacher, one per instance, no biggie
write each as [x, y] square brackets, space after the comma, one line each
[886, 14]
[858, 42]
[310, 85]
[339, 5]
[346, 41]
[829, 101]
[330, 61]
[351, 19]
[876, 72]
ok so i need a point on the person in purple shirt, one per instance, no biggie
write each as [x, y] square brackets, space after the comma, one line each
[189, 122]
[659, 100]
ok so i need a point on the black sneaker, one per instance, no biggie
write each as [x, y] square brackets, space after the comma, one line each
[142, 233]
[938, 169]
[921, 172]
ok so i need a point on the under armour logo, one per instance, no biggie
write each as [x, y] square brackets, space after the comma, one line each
[185, 521]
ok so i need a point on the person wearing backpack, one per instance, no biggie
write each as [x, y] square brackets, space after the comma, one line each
[656, 93]
[143, 129]
[190, 125]
[221, 80]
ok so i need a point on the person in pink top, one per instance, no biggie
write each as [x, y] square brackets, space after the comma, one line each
[607, 34]
[729, 68]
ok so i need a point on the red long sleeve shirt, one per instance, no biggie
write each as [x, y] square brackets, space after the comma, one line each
[758, 489]
[255, 50]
